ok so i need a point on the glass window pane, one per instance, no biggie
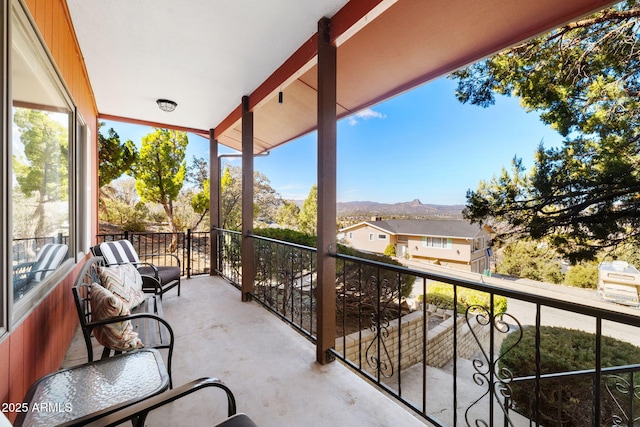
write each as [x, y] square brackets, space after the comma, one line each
[40, 163]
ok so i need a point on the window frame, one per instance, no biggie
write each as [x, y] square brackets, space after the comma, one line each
[444, 242]
[5, 173]
[14, 311]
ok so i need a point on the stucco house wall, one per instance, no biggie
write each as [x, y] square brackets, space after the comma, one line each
[368, 238]
[465, 253]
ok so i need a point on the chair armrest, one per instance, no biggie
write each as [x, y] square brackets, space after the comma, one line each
[23, 267]
[159, 255]
[151, 284]
[134, 316]
[142, 408]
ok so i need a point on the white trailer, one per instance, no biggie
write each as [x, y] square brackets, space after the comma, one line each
[619, 282]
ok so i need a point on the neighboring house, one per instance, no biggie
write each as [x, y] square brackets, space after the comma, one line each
[451, 243]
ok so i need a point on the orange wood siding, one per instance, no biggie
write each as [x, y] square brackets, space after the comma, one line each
[37, 345]
[54, 23]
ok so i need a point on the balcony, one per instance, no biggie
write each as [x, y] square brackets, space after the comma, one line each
[380, 377]
[267, 364]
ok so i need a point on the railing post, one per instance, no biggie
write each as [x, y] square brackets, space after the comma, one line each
[188, 245]
[248, 254]
[214, 203]
[326, 243]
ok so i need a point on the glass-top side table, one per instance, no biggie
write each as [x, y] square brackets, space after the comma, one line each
[83, 393]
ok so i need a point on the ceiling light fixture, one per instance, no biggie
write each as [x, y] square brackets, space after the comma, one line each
[166, 105]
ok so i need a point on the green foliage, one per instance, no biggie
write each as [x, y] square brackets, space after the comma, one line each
[161, 169]
[230, 198]
[390, 250]
[266, 199]
[288, 214]
[123, 207]
[583, 79]
[123, 214]
[199, 203]
[628, 252]
[198, 174]
[308, 218]
[565, 402]
[583, 275]
[531, 260]
[115, 158]
[304, 239]
[200, 200]
[42, 167]
[441, 295]
[287, 235]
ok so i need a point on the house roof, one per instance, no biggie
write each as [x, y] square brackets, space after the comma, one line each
[426, 227]
[207, 54]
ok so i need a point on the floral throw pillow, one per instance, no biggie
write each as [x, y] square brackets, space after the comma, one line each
[123, 281]
[118, 335]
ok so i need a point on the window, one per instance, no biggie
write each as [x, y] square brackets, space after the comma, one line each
[371, 236]
[477, 244]
[40, 173]
[382, 237]
[351, 235]
[437, 242]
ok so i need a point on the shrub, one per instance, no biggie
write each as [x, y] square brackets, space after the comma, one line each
[564, 401]
[528, 259]
[304, 239]
[441, 295]
[582, 276]
[390, 250]
[287, 235]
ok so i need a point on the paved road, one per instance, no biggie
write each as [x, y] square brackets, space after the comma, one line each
[524, 312]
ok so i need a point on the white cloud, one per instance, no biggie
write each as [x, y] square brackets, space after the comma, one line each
[366, 114]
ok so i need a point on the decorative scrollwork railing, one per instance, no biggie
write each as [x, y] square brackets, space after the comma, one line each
[370, 308]
[379, 297]
[625, 395]
[488, 371]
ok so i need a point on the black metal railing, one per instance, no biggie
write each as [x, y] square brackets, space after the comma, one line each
[229, 255]
[285, 282]
[285, 277]
[447, 365]
[398, 351]
[619, 396]
[192, 248]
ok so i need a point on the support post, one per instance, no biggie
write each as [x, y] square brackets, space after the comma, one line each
[327, 137]
[248, 261]
[214, 202]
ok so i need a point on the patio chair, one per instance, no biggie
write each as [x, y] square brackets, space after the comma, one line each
[156, 278]
[27, 274]
[137, 413]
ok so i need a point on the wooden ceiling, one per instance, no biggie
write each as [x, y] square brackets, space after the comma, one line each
[407, 44]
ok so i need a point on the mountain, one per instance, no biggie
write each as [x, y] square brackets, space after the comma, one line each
[414, 208]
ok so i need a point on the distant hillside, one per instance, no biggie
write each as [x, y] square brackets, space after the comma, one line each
[414, 208]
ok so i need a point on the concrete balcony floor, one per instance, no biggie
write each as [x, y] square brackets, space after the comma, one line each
[270, 368]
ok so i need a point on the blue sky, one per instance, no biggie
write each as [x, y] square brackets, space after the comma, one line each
[422, 144]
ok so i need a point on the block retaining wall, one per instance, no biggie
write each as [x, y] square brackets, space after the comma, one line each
[439, 347]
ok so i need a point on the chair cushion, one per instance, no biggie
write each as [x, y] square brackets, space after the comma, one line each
[166, 273]
[119, 335]
[119, 252]
[123, 281]
[237, 420]
[49, 257]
